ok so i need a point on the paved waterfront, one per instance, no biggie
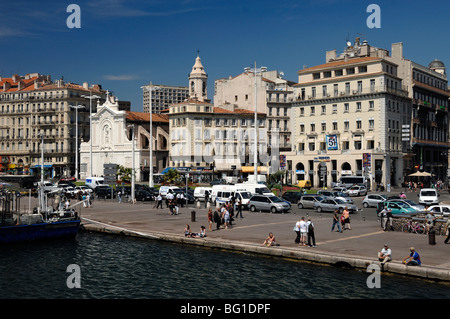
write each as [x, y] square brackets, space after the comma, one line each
[364, 240]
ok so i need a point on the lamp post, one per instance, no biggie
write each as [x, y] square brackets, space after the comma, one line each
[76, 107]
[41, 188]
[256, 71]
[90, 97]
[150, 88]
[132, 165]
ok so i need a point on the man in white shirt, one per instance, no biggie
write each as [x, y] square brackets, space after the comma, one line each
[385, 255]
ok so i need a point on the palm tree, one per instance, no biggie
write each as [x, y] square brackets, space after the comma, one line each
[171, 176]
[123, 173]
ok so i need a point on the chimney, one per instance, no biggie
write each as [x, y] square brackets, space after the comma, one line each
[86, 85]
[330, 56]
[397, 51]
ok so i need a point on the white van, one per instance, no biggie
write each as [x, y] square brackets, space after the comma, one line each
[199, 193]
[221, 194]
[428, 196]
[93, 182]
[255, 189]
[163, 190]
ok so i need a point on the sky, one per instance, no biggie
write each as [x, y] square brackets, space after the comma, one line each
[125, 44]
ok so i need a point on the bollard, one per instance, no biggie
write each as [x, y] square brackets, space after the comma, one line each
[432, 237]
[198, 204]
[193, 216]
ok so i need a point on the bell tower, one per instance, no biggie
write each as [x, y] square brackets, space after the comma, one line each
[198, 81]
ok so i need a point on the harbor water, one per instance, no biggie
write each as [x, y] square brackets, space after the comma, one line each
[122, 267]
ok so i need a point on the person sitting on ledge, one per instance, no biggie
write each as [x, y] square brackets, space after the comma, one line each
[201, 234]
[187, 231]
[413, 259]
[270, 241]
[385, 255]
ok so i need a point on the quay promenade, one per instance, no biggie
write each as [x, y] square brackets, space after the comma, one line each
[356, 248]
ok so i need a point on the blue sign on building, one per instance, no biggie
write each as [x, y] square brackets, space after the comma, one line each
[332, 142]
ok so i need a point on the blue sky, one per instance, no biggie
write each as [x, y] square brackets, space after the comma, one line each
[124, 44]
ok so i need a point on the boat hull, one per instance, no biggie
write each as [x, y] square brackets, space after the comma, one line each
[40, 231]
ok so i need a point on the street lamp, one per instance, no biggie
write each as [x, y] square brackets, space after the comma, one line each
[132, 165]
[150, 88]
[256, 71]
[76, 107]
[90, 97]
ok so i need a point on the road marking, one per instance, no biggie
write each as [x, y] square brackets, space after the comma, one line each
[352, 237]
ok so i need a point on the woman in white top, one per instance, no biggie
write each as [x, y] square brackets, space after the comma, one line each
[303, 231]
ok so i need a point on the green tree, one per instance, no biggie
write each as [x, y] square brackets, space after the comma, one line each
[171, 176]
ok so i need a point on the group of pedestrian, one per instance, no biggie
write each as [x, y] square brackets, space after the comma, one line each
[341, 219]
[222, 216]
[305, 232]
[173, 202]
[87, 200]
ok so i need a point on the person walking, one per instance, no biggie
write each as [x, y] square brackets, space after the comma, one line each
[336, 221]
[119, 197]
[346, 217]
[311, 236]
[239, 207]
[159, 200]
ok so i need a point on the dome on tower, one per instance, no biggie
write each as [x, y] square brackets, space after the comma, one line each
[198, 67]
[436, 64]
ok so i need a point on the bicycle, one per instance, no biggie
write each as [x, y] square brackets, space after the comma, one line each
[413, 227]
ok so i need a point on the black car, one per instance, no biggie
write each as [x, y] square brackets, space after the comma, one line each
[143, 195]
[292, 197]
[104, 191]
[153, 191]
[124, 190]
[217, 182]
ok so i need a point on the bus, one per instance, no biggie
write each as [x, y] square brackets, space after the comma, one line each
[21, 181]
[349, 181]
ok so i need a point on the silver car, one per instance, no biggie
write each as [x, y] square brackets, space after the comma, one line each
[372, 200]
[268, 203]
[330, 204]
[307, 201]
[335, 194]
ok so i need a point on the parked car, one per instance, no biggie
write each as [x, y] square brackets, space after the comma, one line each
[340, 195]
[329, 204]
[372, 200]
[292, 197]
[443, 210]
[357, 191]
[308, 200]
[410, 203]
[272, 203]
[142, 195]
[104, 191]
[396, 207]
[340, 189]
[428, 196]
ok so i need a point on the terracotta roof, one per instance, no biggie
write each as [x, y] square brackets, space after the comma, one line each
[339, 63]
[219, 110]
[145, 117]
